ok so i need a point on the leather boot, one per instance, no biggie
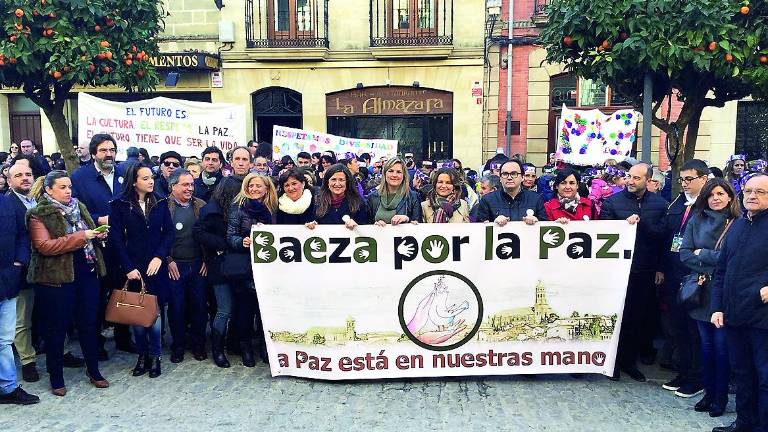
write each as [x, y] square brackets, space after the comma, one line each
[217, 350]
[141, 365]
[246, 349]
[154, 371]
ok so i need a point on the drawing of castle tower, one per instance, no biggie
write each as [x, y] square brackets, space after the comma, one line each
[351, 335]
[541, 308]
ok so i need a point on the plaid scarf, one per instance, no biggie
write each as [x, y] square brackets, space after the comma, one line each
[74, 223]
[444, 207]
[569, 204]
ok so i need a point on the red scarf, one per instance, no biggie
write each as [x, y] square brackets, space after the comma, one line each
[336, 202]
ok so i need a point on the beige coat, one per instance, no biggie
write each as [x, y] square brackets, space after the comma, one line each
[459, 216]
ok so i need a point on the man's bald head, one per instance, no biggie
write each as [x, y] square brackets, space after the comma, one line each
[639, 175]
[20, 177]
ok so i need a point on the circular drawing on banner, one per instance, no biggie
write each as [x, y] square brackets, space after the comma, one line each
[440, 310]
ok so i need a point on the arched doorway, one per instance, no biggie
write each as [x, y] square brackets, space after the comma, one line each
[275, 106]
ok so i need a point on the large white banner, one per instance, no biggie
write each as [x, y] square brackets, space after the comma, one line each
[288, 141]
[442, 299]
[162, 124]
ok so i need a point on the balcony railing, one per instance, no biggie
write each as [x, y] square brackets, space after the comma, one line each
[540, 17]
[411, 22]
[286, 23]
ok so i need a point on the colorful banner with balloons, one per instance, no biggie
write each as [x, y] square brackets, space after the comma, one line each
[288, 141]
[591, 137]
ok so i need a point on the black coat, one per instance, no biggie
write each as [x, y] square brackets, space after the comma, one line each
[240, 222]
[499, 203]
[14, 247]
[741, 271]
[21, 212]
[702, 232]
[137, 240]
[283, 218]
[210, 231]
[334, 216]
[651, 230]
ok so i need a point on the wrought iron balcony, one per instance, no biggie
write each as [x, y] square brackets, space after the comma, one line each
[540, 17]
[286, 23]
[411, 23]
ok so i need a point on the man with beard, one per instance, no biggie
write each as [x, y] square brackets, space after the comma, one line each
[95, 186]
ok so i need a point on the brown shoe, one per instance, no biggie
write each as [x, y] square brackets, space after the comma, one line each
[59, 391]
[102, 383]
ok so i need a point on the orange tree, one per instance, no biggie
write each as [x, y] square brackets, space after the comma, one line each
[49, 46]
[706, 52]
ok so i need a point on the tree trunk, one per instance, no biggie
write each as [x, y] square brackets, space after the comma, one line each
[60, 127]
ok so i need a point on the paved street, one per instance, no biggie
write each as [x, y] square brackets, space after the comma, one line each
[194, 396]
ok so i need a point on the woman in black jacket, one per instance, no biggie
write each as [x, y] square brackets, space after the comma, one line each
[393, 201]
[296, 205]
[338, 202]
[210, 231]
[254, 205]
[715, 209]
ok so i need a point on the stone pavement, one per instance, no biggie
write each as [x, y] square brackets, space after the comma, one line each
[197, 396]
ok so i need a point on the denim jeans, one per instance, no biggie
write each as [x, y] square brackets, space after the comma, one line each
[714, 358]
[59, 304]
[7, 332]
[748, 351]
[187, 294]
[148, 339]
[223, 293]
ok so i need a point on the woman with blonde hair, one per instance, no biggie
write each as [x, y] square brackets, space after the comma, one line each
[393, 201]
[255, 204]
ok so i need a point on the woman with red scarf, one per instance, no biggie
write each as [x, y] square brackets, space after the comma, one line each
[567, 205]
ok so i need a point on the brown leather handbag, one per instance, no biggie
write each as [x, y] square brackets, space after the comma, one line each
[132, 308]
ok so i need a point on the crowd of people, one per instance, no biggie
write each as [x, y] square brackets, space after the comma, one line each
[180, 228]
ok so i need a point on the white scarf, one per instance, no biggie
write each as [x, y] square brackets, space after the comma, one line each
[290, 206]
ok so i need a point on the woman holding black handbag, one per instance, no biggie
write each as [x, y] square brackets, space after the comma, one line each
[255, 204]
[714, 211]
[142, 233]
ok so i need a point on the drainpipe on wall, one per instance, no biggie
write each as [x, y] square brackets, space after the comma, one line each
[510, 31]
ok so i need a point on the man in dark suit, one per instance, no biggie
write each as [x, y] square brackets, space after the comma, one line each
[14, 255]
[95, 186]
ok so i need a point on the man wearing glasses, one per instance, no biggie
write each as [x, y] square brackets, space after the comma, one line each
[683, 330]
[512, 202]
[170, 161]
[95, 185]
[740, 303]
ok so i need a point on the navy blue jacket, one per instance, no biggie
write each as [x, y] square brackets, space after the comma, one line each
[675, 223]
[742, 269]
[161, 186]
[21, 211]
[499, 203]
[203, 191]
[14, 247]
[651, 230]
[90, 188]
[334, 216]
[123, 166]
[137, 239]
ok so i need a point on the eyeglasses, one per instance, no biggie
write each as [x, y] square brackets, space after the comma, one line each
[171, 164]
[686, 180]
[506, 175]
[759, 192]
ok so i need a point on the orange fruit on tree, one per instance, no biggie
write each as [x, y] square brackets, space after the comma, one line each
[19, 26]
[12, 60]
[2, 63]
[605, 44]
[97, 28]
[56, 75]
[729, 57]
[712, 46]
[19, 13]
[104, 44]
[13, 38]
[52, 15]
[763, 59]
[568, 40]
[108, 55]
[128, 62]
[744, 10]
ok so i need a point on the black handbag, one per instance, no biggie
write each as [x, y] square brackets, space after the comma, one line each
[236, 266]
[690, 290]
